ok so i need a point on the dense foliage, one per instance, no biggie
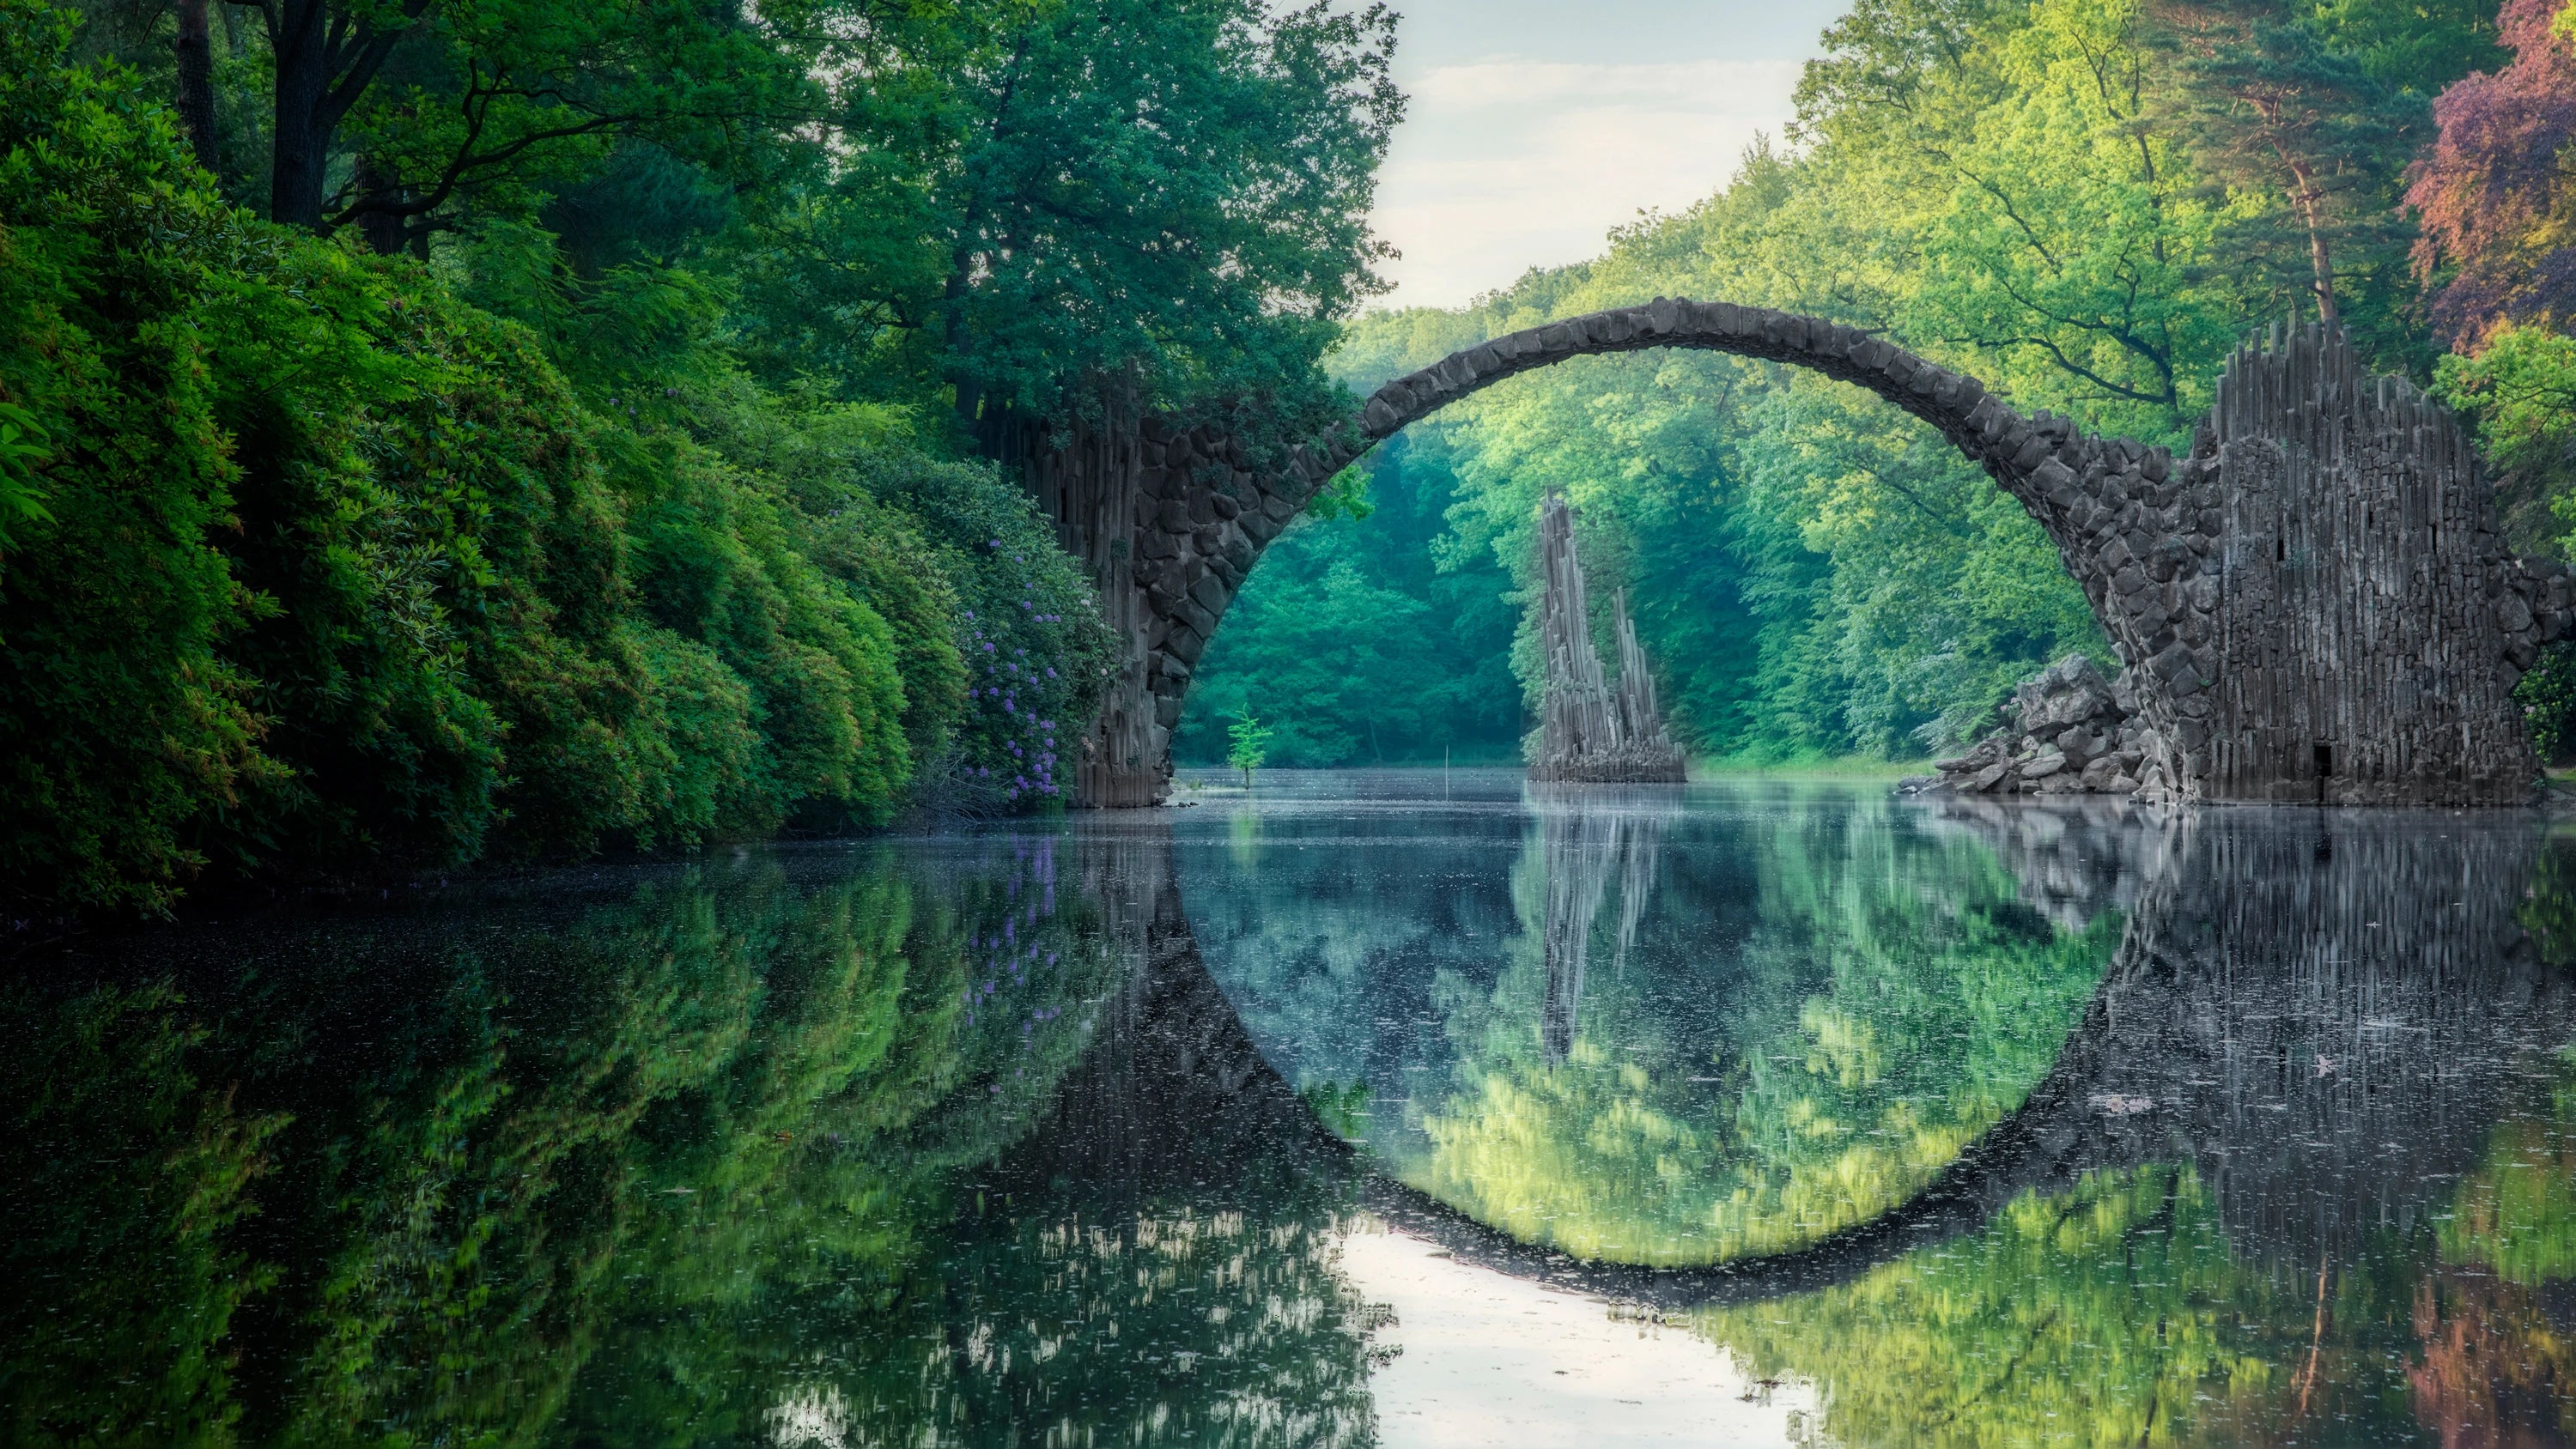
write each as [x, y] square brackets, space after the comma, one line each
[2085, 205]
[588, 454]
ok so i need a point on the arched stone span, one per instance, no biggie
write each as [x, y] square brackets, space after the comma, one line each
[2312, 606]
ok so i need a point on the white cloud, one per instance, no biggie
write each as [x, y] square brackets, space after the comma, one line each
[1508, 163]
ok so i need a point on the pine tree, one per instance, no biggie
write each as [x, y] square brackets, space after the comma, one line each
[2270, 109]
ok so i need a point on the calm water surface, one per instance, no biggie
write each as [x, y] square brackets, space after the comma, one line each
[1404, 1109]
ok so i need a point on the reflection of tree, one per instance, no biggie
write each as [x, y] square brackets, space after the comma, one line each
[1109, 1285]
[1783, 1056]
[2497, 1318]
[120, 1174]
[2116, 1312]
[2101, 1316]
[502, 1154]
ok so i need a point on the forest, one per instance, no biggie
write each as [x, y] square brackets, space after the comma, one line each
[485, 432]
[481, 432]
[2086, 205]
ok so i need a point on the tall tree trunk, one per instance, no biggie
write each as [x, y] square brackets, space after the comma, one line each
[2308, 198]
[194, 50]
[300, 154]
[954, 295]
[382, 229]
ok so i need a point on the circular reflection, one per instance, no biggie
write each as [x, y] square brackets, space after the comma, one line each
[1654, 1027]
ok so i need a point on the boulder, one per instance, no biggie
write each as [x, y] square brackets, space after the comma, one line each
[2064, 730]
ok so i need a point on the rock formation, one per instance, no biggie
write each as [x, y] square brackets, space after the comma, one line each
[2065, 731]
[1591, 731]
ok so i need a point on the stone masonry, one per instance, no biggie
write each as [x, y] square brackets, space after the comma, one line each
[2311, 606]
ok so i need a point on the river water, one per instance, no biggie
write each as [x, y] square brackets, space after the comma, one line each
[1391, 1108]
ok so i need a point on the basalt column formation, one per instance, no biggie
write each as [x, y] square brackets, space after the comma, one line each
[1169, 519]
[1589, 730]
[2363, 629]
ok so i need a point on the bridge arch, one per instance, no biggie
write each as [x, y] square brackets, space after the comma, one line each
[2282, 638]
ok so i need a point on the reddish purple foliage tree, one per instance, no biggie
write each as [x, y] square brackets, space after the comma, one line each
[2493, 183]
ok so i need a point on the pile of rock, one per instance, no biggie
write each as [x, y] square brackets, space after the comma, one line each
[2068, 731]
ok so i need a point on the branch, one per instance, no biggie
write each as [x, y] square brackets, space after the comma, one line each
[360, 73]
[1909, 495]
[2123, 335]
[2027, 230]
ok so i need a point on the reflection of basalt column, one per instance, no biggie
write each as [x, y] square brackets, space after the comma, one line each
[2329, 1014]
[2323, 1014]
[1588, 730]
[1580, 849]
[1173, 1089]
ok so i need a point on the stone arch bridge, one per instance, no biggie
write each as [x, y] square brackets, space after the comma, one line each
[2312, 606]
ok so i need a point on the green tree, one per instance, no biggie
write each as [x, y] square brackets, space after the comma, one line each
[1139, 203]
[2272, 109]
[1356, 639]
[434, 102]
[1247, 746]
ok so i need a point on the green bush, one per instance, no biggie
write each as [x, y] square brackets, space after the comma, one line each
[310, 566]
[127, 724]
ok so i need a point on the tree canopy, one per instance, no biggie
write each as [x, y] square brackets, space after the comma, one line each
[593, 450]
[2085, 205]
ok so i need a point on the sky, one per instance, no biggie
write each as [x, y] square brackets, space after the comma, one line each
[1488, 1359]
[1535, 126]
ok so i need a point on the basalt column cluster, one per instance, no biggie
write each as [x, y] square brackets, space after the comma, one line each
[1169, 518]
[2364, 626]
[1591, 730]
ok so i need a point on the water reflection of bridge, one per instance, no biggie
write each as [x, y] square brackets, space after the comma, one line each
[2321, 1012]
